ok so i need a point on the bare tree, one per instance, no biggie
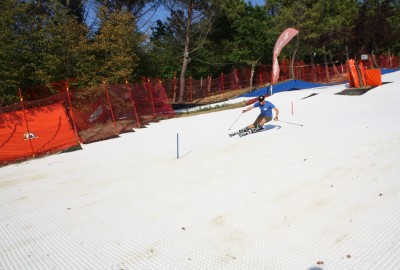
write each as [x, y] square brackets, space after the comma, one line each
[140, 9]
[191, 21]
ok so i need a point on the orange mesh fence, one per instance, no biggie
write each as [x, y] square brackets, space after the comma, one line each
[142, 96]
[123, 107]
[240, 79]
[229, 82]
[387, 61]
[198, 89]
[243, 77]
[32, 132]
[108, 110]
[162, 105]
[92, 114]
[262, 75]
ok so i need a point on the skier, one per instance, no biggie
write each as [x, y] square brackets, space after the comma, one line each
[265, 116]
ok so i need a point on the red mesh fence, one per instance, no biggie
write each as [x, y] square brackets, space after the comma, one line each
[240, 79]
[99, 113]
[111, 109]
[93, 115]
[162, 105]
[385, 61]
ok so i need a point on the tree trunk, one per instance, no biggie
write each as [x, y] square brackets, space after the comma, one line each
[374, 60]
[182, 78]
[292, 75]
[186, 53]
[253, 65]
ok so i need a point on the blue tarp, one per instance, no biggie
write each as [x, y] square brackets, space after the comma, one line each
[285, 86]
[388, 70]
[296, 85]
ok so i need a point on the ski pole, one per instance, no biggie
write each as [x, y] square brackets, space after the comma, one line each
[235, 121]
[289, 123]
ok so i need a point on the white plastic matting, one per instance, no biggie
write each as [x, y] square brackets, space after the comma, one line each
[321, 196]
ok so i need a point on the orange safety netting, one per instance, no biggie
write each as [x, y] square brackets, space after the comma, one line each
[107, 110]
[44, 130]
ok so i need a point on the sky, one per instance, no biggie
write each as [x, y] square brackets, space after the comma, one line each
[181, 194]
[257, 2]
[148, 20]
[161, 15]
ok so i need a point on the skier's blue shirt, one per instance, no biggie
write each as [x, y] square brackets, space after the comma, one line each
[266, 109]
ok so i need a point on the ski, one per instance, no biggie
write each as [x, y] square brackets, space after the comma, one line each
[238, 132]
[233, 134]
[245, 131]
[250, 131]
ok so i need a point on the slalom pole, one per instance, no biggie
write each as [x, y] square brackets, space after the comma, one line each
[289, 123]
[236, 121]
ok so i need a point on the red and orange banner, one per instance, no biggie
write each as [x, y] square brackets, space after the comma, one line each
[283, 39]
